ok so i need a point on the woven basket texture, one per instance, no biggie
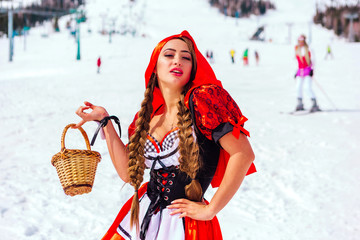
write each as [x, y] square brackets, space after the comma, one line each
[76, 168]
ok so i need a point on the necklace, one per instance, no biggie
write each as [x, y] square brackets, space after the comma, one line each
[172, 124]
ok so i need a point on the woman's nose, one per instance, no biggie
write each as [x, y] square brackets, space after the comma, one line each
[177, 61]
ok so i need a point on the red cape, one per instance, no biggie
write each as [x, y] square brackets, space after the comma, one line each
[204, 76]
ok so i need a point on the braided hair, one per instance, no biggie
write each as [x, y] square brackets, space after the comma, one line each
[136, 149]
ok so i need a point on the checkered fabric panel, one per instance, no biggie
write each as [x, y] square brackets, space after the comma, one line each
[149, 146]
[166, 144]
[169, 140]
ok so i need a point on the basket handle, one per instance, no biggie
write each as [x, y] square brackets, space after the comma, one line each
[81, 130]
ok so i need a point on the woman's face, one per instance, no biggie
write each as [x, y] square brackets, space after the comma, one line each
[301, 41]
[174, 64]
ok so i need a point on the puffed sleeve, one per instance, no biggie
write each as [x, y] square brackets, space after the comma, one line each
[216, 113]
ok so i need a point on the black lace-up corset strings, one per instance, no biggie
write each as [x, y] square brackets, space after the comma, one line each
[162, 179]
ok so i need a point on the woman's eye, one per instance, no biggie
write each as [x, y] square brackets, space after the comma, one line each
[169, 55]
[187, 58]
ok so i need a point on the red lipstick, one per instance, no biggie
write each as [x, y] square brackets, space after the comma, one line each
[177, 71]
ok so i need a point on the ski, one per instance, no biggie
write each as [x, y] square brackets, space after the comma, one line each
[299, 113]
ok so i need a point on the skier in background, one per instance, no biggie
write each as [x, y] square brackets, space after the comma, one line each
[245, 57]
[232, 54]
[304, 74]
[98, 65]
[211, 57]
[328, 52]
[208, 55]
[257, 58]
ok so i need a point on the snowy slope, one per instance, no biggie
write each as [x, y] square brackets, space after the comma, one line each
[307, 181]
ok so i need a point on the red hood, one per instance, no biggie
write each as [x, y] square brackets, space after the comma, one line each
[204, 74]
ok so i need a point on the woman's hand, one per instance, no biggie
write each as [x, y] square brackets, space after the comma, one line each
[194, 210]
[97, 113]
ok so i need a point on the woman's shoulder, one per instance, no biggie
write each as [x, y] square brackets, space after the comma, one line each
[209, 86]
[210, 90]
[212, 95]
[215, 112]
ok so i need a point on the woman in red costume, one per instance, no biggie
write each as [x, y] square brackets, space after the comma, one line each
[189, 133]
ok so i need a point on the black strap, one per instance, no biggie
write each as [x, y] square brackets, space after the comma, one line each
[102, 124]
[192, 111]
[159, 161]
[162, 157]
[154, 205]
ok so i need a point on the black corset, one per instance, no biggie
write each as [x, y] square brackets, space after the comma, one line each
[166, 185]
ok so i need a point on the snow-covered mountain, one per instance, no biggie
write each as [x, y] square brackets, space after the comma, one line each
[307, 181]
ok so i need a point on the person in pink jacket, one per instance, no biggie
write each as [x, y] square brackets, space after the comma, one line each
[98, 63]
[304, 74]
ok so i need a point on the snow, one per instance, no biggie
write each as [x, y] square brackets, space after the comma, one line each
[307, 181]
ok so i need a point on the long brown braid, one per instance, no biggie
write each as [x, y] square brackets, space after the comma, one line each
[188, 147]
[136, 149]
[189, 151]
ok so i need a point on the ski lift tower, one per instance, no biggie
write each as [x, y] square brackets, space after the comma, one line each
[351, 17]
[9, 10]
[78, 19]
[289, 24]
[10, 34]
[112, 27]
[103, 21]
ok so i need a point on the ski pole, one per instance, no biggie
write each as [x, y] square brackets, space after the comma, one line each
[319, 86]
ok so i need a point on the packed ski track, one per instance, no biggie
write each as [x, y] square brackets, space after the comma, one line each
[307, 184]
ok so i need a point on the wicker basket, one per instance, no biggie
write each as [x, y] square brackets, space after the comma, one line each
[76, 168]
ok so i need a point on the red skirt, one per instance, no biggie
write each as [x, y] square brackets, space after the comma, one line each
[194, 229]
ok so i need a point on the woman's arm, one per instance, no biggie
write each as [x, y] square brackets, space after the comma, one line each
[117, 150]
[241, 157]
